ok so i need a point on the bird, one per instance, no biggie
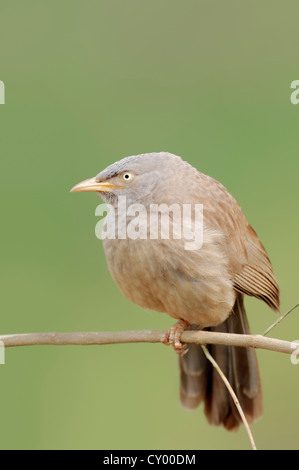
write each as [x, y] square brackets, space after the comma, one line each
[204, 288]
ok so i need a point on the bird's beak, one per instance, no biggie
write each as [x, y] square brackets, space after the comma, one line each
[93, 185]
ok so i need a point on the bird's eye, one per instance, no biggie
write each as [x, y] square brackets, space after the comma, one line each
[127, 176]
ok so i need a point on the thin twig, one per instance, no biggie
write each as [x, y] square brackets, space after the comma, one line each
[233, 395]
[146, 336]
[279, 320]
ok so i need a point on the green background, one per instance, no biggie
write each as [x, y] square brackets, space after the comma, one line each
[87, 83]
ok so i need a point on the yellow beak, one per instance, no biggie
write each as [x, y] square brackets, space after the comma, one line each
[92, 185]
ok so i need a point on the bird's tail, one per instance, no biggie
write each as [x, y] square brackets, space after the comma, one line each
[201, 382]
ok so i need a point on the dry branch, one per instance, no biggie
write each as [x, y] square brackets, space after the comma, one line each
[157, 336]
[146, 336]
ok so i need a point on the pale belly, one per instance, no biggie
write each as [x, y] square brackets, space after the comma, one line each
[160, 275]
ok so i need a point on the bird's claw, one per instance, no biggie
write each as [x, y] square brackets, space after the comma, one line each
[173, 337]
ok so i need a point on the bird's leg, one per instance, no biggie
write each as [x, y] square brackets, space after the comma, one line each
[173, 336]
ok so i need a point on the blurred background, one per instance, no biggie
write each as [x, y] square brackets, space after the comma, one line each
[87, 83]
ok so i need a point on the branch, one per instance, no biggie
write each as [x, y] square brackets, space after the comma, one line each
[157, 336]
[147, 336]
[280, 320]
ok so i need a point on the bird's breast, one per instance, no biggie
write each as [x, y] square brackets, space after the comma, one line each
[161, 275]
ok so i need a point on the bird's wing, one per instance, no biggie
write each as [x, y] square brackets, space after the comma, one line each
[257, 277]
[252, 272]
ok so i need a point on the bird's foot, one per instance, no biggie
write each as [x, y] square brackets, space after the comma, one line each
[173, 336]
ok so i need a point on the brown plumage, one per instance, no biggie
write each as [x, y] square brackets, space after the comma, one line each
[205, 287]
[201, 382]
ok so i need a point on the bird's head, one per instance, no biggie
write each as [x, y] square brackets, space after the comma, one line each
[134, 177]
